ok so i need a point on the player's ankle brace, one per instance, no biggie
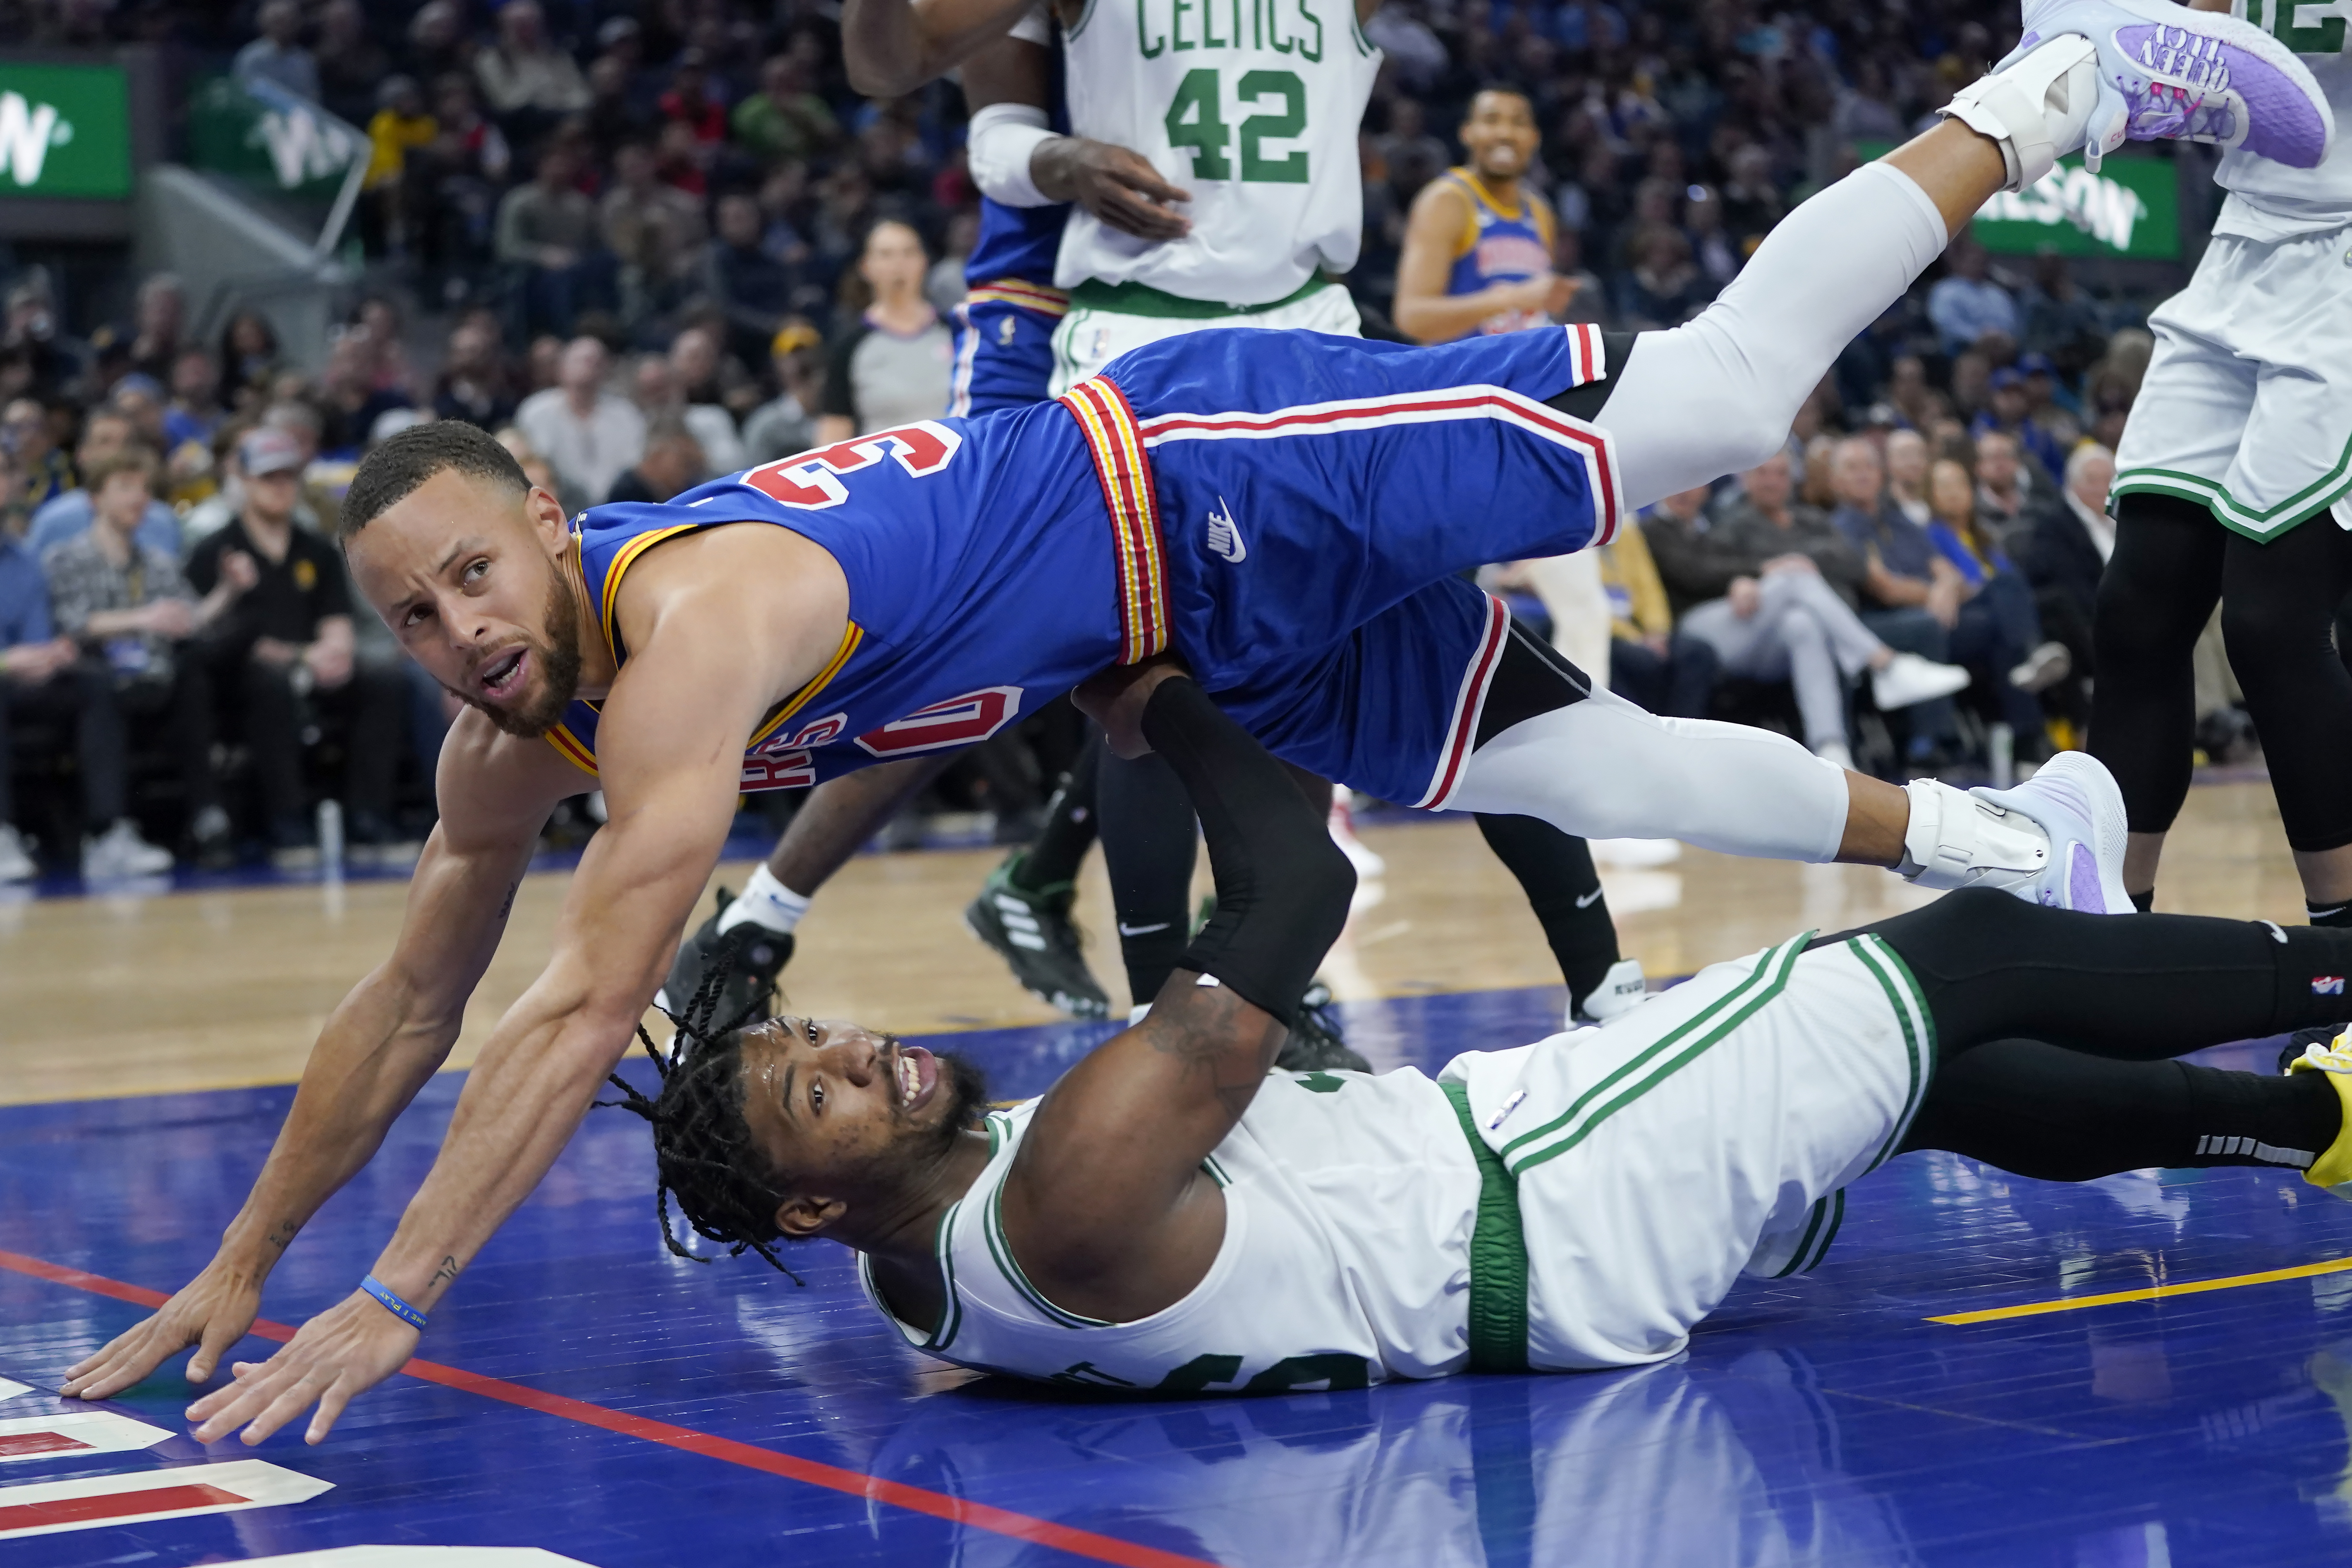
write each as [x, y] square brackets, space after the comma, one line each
[2035, 109]
[1954, 840]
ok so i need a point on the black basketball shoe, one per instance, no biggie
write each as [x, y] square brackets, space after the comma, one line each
[1315, 1043]
[1034, 936]
[755, 955]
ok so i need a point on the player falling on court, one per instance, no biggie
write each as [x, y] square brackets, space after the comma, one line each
[2230, 484]
[1185, 220]
[1169, 1218]
[813, 614]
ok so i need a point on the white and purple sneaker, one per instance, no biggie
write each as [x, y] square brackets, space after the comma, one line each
[2075, 800]
[2169, 73]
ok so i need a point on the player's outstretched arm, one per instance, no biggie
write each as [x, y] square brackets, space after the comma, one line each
[382, 1043]
[893, 46]
[1106, 1206]
[721, 625]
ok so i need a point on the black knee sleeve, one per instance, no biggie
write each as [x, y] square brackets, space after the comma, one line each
[2139, 987]
[1555, 870]
[2155, 597]
[2061, 1116]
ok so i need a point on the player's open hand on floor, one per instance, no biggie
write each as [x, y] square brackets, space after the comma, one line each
[212, 1312]
[342, 1353]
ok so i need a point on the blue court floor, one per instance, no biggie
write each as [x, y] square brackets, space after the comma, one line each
[593, 1397]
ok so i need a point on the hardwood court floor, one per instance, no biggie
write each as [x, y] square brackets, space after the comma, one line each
[111, 995]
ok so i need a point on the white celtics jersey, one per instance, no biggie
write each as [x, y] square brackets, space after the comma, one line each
[1254, 108]
[1349, 1203]
[2271, 200]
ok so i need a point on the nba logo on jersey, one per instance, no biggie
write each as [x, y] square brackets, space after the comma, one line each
[2327, 985]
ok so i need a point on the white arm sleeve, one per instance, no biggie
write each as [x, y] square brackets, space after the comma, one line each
[1002, 137]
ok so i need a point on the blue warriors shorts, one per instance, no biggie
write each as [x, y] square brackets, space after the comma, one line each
[1308, 503]
[1004, 346]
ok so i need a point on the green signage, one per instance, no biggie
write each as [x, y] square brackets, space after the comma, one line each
[2130, 207]
[259, 133]
[65, 131]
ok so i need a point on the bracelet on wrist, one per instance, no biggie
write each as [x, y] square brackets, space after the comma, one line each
[391, 1303]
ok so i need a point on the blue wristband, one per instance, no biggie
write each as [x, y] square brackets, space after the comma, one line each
[391, 1303]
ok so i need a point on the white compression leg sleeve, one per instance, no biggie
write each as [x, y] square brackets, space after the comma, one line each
[1603, 768]
[1719, 393]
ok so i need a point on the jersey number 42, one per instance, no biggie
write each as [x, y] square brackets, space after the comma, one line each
[1196, 120]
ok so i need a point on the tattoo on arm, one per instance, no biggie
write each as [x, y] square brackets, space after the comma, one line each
[446, 1274]
[282, 1235]
[507, 907]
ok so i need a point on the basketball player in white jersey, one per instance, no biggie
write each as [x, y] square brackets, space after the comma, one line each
[2231, 482]
[1169, 1217]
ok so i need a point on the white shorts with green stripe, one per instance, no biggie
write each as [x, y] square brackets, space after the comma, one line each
[1709, 1131]
[2247, 405]
[1103, 323]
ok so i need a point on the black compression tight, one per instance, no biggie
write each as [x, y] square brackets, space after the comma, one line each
[2278, 599]
[2055, 1034]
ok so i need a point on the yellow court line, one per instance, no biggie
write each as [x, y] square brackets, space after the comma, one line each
[2154, 1292]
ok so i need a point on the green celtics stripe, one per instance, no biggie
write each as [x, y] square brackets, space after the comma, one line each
[1000, 1131]
[951, 1309]
[2263, 522]
[1903, 994]
[1654, 1064]
[1001, 1249]
[1796, 1264]
[1215, 1171]
[1835, 1207]
[1143, 299]
[1498, 1256]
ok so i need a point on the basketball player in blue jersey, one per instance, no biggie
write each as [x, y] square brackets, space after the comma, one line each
[1477, 253]
[1283, 511]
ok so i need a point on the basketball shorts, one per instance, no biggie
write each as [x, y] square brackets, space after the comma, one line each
[1314, 498]
[2247, 405]
[1005, 347]
[1089, 338]
[1710, 1131]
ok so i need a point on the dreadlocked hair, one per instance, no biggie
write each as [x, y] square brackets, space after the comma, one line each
[703, 1153]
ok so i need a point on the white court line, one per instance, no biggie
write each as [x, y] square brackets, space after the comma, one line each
[77, 1432]
[421, 1557]
[10, 1389]
[88, 1503]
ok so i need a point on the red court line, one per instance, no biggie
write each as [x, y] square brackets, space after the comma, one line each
[113, 1505]
[856, 1483]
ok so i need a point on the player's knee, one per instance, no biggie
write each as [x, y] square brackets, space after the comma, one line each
[2264, 632]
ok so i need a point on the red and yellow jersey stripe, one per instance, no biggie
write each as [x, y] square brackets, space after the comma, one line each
[1028, 296]
[1124, 471]
[573, 749]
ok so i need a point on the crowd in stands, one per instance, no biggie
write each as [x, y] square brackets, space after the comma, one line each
[648, 243]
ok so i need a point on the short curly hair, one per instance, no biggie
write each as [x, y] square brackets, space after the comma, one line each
[393, 470]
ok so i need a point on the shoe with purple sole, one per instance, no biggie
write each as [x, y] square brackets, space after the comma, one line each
[2166, 72]
[2075, 800]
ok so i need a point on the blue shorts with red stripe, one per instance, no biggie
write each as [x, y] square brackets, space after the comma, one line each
[1317, 499]
[1003, 348]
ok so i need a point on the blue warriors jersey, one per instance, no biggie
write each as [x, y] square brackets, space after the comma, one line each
[1286, 511]
[1497, 245]
[1005, 328]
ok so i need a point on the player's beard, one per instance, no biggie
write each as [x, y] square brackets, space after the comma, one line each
[556, 652]
[966, 1089]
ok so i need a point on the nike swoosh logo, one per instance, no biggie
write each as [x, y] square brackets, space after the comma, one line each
[1589, 900]
[1127, 929]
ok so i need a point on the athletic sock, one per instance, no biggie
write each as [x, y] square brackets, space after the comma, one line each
[1049, 868]
[766, 902]
[2339, 915]
[1149, 847]
[1555, 870]
[2145, 902]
